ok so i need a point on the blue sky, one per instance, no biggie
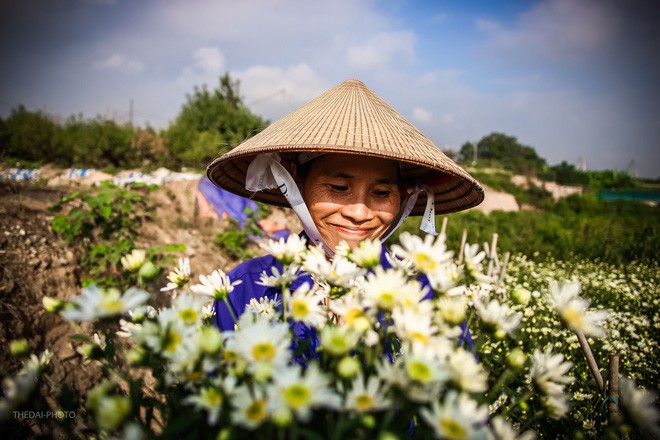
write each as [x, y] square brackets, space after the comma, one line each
[570, 78]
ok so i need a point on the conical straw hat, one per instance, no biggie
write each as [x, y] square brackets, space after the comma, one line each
[351, 119]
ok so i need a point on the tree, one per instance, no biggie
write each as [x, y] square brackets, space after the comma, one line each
[506, 151]
[211, 123]
[28, 135]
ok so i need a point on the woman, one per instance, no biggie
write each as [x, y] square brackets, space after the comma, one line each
[351, 168]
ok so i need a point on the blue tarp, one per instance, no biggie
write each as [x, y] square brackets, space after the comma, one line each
[227, 204]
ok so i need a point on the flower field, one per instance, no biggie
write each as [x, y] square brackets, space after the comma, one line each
[433, 344]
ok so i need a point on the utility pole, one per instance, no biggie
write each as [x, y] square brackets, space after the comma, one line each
[130, 121]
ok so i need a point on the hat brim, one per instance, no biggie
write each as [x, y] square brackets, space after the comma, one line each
[351, 119]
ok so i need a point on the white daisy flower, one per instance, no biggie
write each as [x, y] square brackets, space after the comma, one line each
[261, 341]
[134, 261]
[639, 406]
[424, 369]
[452, 309]
[94, 303]
[367, 397]
[351, 313]
[17, 390]
[179, 277]
[458, 417]
[279, 280]
[250, 407]
[300, 393]
[338, 340]
[382, 287]
[339, 272]
[412, 326]
[264, 307]
[190, 309]
[367, 253]
[287, 251]
[498, 317]
[572, 309]
[466, 373]
[304, 305]
[217, 285]
[501, 429]
[209, 399]
[427, 255]
[548, 375]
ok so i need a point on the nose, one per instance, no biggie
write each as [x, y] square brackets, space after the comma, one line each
[357, 212]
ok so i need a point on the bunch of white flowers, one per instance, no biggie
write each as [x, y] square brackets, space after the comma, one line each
[384, 349]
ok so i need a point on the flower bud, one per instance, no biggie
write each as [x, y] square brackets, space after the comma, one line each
[112, 411]
[521, 295]
[19, 347]
[282, 417]
[52, 305]
[516, 358]
[136, 356]
[210, 340]
[452, 309]
[348, 367]
[368, 421]
[148, 271]
[90, 351]
[263, 372]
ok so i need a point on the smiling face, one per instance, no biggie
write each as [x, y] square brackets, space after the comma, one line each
[351, 198]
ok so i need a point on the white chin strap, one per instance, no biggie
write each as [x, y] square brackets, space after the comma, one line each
[266, 172]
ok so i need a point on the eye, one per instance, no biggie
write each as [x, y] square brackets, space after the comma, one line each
[383, 193]
[338, 188]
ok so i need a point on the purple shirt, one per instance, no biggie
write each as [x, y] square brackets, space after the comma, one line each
[249, 273]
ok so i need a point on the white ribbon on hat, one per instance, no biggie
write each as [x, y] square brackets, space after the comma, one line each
[428, 220]
[266, 172]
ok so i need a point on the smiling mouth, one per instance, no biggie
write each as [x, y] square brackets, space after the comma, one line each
[352, 231]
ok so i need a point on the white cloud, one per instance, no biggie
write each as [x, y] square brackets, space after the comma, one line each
[120, 63]
[209, 64]
[274, 91]
[556, 30]
[381, 49]
[419, 114]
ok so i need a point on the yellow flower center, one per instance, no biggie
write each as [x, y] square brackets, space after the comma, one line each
[364, 402]
[211, 397]
[188, 316]
[419, 371]
[263, 352]
[171, 341]
[111, 303]
[424, 262]
[420, 337]
[573, 318]
[452, 429]
[299, 309]
[229, 356]
[386, 300]
[256, 411]
[297, 396]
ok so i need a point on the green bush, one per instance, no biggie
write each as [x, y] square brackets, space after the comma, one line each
[104, 223]
[578, 226]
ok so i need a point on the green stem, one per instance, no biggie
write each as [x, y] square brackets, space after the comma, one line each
[504, 377]
[231, 311]
[285, 296]
[513, 403]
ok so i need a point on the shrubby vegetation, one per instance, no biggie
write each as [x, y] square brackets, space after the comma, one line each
[575, 227]
[210, 122]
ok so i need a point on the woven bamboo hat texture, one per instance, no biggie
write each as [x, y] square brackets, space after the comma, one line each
[351, 119]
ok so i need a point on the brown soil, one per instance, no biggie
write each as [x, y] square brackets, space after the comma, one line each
[36, 262]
